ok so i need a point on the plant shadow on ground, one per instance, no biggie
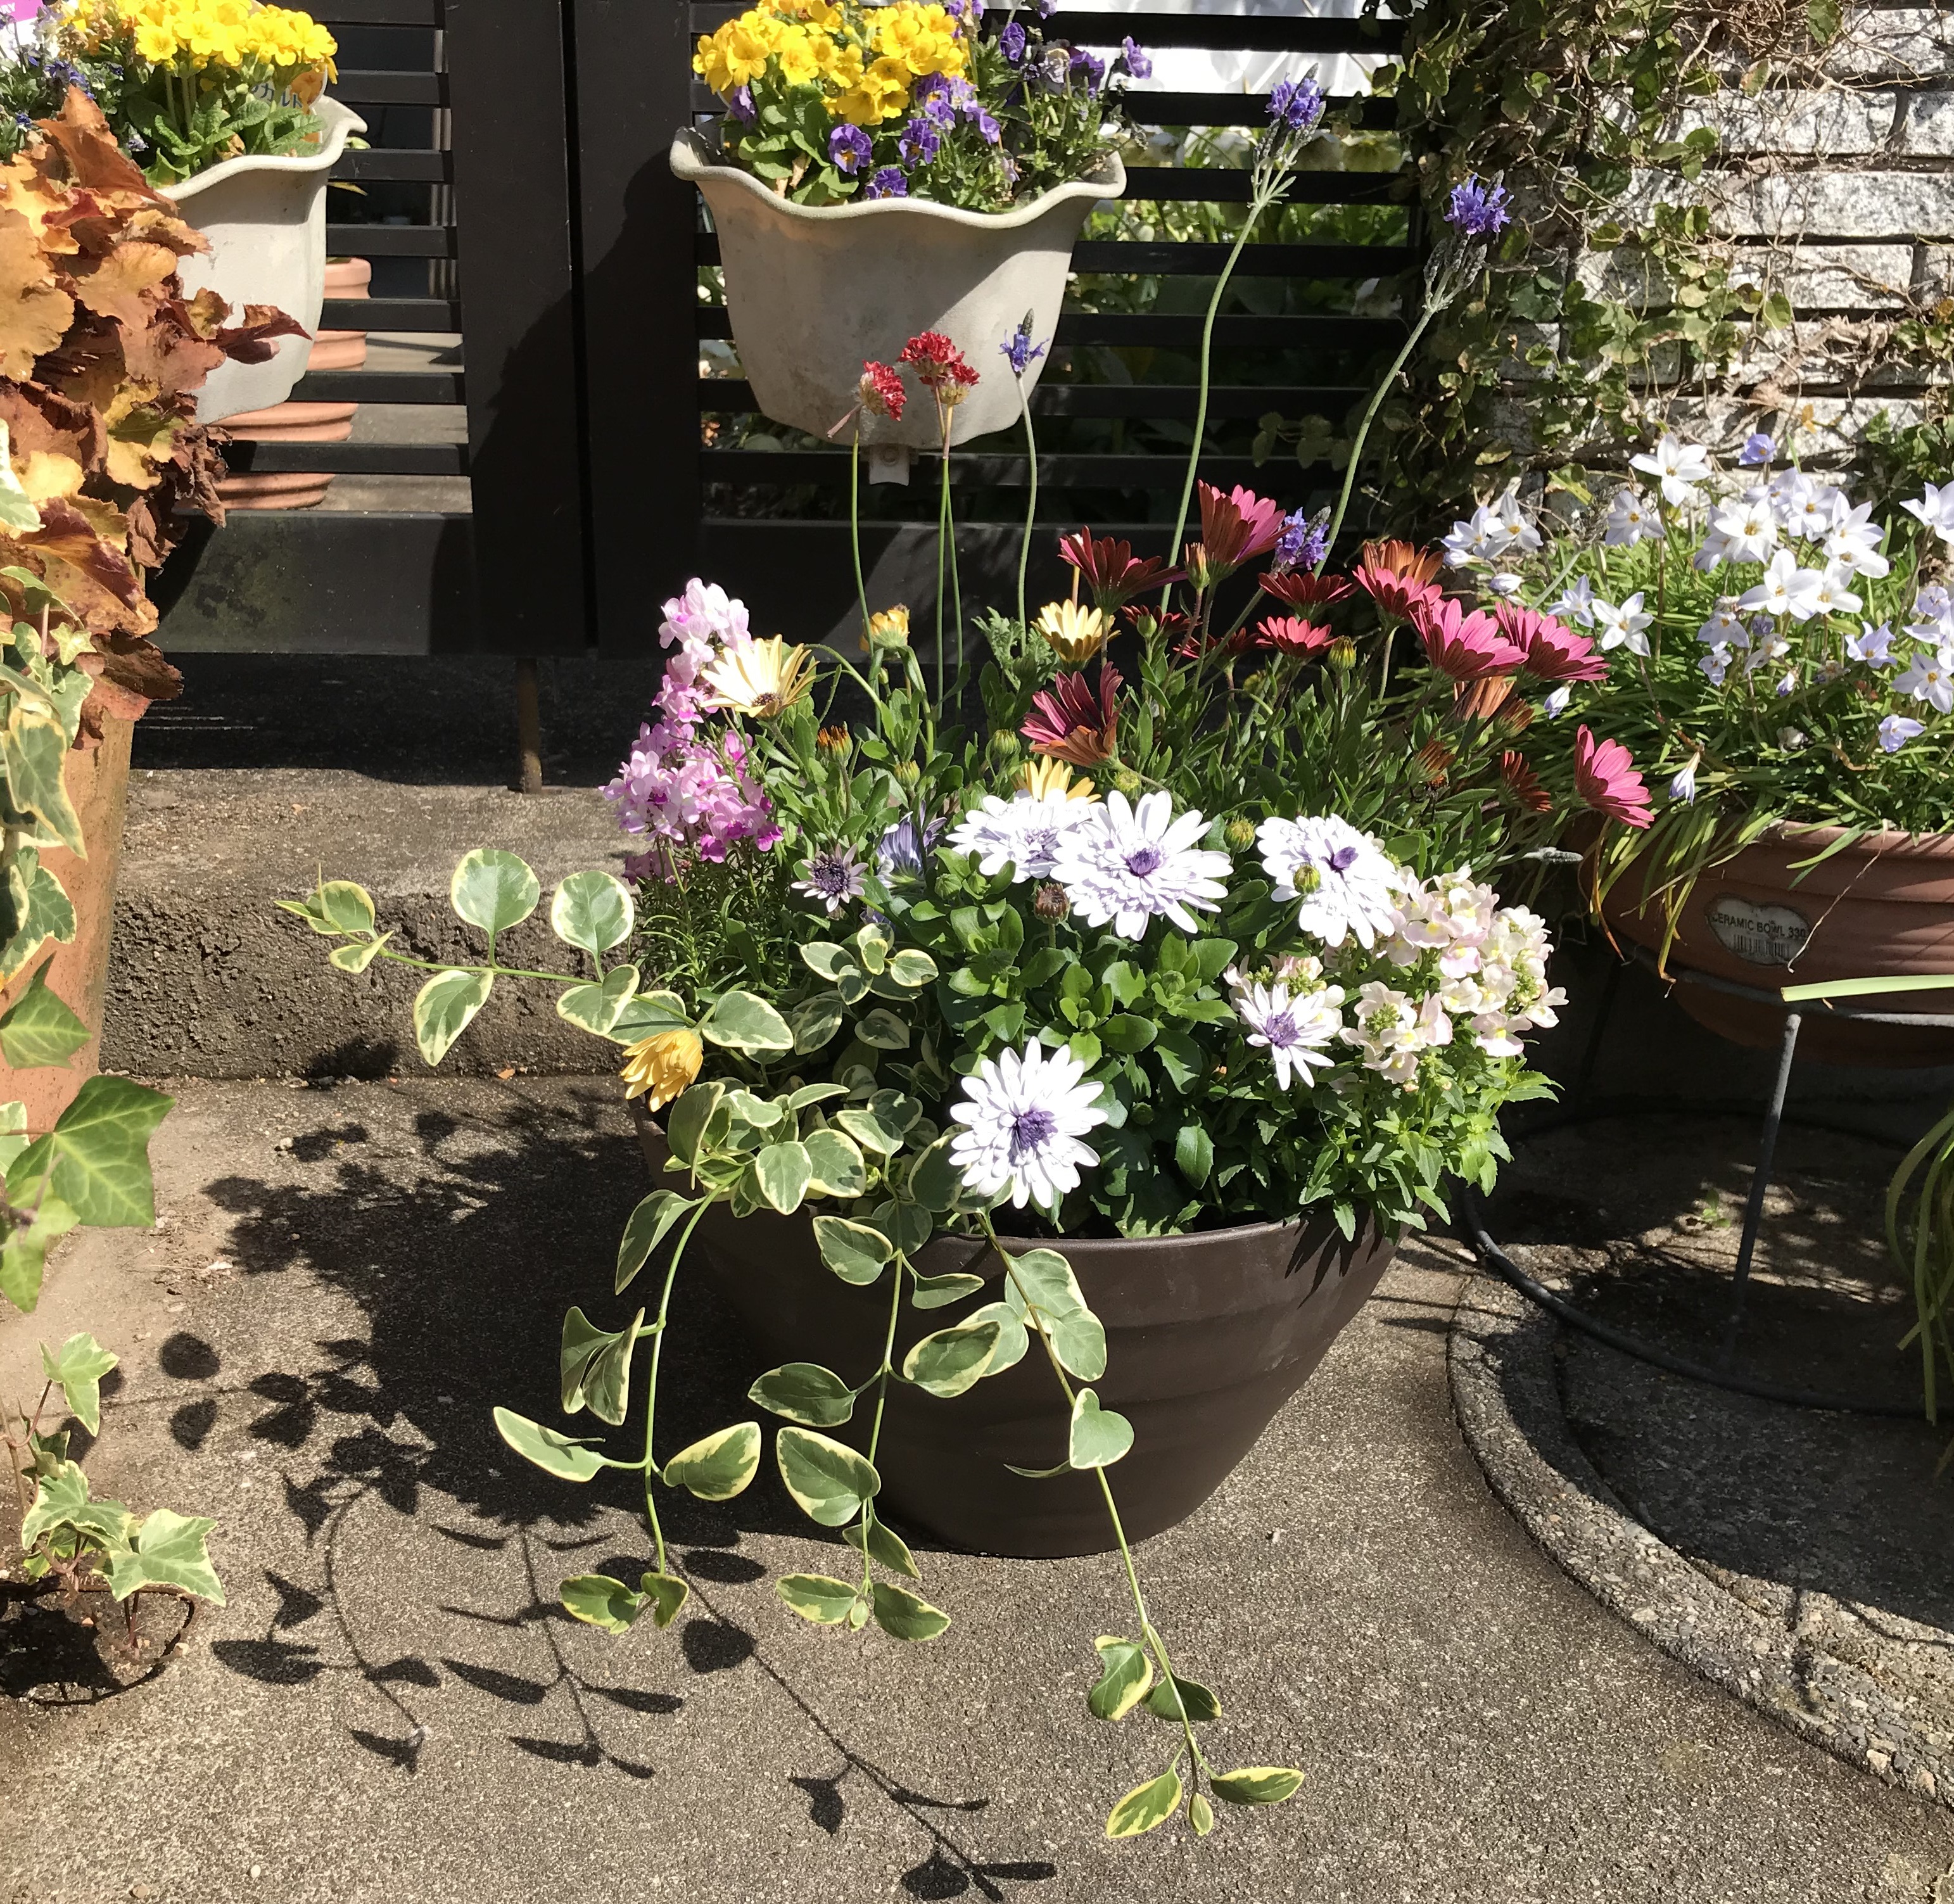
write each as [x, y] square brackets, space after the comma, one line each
[454, 1255]
[1640, 1231]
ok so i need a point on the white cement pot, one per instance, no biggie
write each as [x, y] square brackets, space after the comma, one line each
[265, 220]
[813, 290]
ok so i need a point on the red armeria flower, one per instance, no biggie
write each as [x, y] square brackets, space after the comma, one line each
[1554, 651]
[882, 391]
[1606, 778]
[1396, 576]
[1111, 570]
[1287, 635]
[1300, 588]
[1466, 647]
[939, 365]
[1524, 784]
[1237, 527]
[1069, 722]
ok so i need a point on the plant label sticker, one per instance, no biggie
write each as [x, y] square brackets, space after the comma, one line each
[1759, 934]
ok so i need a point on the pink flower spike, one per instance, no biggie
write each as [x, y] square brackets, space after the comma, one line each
[1554, 651]
[1606, 778]
[1466, 647]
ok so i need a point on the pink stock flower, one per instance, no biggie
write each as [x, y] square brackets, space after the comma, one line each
[1554, 651]
[1237, 527]
[690, 795]
[1466, 647]
[1606, 778]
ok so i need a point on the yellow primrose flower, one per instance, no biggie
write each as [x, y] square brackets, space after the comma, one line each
[662, 1067]
[1045, 779]
[761, 678]
[799, 66]
[1077, 632]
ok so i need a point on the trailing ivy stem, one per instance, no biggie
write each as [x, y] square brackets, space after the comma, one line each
[657, 1332]
[1371, 410]
[1153, 1639]
[882, 1375]
[1030, 508]
[855, 523]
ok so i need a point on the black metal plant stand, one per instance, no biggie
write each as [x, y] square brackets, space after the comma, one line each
[1723, 1373]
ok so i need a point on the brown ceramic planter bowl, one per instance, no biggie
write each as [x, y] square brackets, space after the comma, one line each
[1882, 907]
[1207, 1336]
[98, 783]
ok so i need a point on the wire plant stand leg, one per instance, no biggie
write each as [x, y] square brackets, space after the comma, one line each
[1754, 1208]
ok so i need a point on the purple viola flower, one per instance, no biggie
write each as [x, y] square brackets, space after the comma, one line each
[1476, 210]
[1012, 41]
[1047, 9]
[1132, 62]
[1019, 350]
[1091, 65]
[891, 182]
[1759, 450]
[920, 142]
[1296, 105]
[849, 149]
[740, 105]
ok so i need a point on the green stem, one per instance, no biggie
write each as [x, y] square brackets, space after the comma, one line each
[1152, 1639]
[948, 543]
[1371, 410]
[942, 533]
[1030, 508]
[881, 1379]
[855, 523]
[657, 1332]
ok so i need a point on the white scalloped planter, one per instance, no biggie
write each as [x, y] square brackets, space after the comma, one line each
[265, 220]
[813, 290]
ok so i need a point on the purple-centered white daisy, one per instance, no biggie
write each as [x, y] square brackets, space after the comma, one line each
[1023, 1114]
[1023, 832]
[1347, 883]
[1293, 1028]
[1125, 863]
[832, 876]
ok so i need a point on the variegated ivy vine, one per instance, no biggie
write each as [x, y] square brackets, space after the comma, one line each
[803, 1122]
[1544, 371]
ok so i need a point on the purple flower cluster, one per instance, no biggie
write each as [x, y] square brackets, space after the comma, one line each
[691, 794]
[1477, 210]
[891, 182]
[1295, 105]
[920, 142]
[1304, 541]
[849, 150]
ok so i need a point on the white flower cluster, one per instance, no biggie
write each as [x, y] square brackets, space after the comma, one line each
[1813, 546]
[1493, 530]
[1466, 962]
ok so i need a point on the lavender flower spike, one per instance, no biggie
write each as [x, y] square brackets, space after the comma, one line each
[1296, 105]
[1478, 211]
[1304, 541]
[1019, 351]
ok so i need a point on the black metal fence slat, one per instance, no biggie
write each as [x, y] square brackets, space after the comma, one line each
[732, 396]
[1227, 33]
[1222, 186]
[390, 240]
[410, 167]
[351, 459]
[390, 314]
[1167, 330]
[380, 13]
[380, 386]
[830, 467]
[1129, 257]
[366, 87]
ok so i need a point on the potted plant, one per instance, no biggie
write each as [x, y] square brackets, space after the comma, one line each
[1046, 1093]
[890, 171]
[101, 463]
[221, 102]
[1785, 657]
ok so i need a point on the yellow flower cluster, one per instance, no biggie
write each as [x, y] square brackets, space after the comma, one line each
[199, 34]
[865, 60]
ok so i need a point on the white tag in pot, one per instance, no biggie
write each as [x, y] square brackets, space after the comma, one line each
[1759, 934]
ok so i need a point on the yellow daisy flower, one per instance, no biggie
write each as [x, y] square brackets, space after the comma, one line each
[661, 1067]
[761, 678]
[1077, 632]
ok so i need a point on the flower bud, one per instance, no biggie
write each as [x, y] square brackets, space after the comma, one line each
[908, 772]
[1342, 655]
[1050, 902]
[1128, 783]
[1200, 570]
[833, 740]
[1006, 750]
[1240, 834]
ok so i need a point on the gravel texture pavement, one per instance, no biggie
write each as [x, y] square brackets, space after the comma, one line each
[392, 1707]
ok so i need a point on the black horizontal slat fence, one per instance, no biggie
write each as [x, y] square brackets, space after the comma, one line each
[542, 283]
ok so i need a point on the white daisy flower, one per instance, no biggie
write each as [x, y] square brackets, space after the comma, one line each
[1744, 531]
[1346, 881]
[1630, 520]
[1789, 493]
[1293, 1028]
[1022, 832]
[1852, 541]
[1786, 590]
[1515, 525]
[1936, 509]
[1834, 595]
[1930, 677]
[1024, 1114]
[1623, 626]
[1811, 520]
[1678, 466]
[1125, 863]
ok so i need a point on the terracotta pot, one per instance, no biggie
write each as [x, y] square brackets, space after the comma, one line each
[343, 350]
[813, 290]
[1881, 907]
[1207, 1336]
[276, 489]
[98, 783]
[287, 423]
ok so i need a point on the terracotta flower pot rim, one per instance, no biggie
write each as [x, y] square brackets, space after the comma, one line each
[1937, 845]
[692, 160]
[339, 124]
